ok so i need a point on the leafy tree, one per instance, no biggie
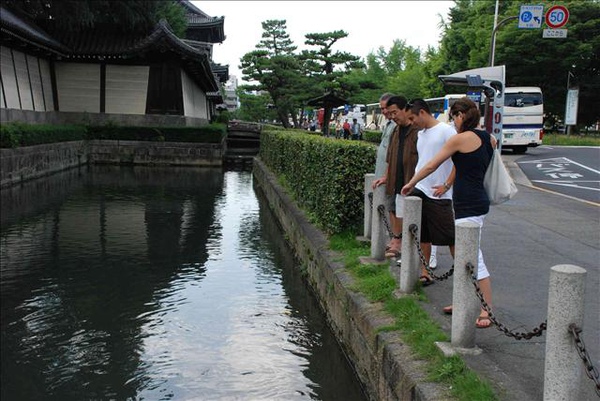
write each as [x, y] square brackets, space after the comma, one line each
[274, 68]
[328, 66]
[529, 58]
[255, 107]
[533, 60]
[275, 39]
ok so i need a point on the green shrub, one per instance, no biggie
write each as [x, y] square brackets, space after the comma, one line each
[212, 133]
[17, 134]
[372, 136]
[325, 175]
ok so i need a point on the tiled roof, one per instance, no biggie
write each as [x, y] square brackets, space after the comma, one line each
[16, 27]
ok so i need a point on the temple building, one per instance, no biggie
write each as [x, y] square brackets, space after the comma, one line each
[103, 75]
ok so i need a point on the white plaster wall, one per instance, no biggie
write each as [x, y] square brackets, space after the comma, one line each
[194, 99]
[126, 89]
[22, 76]
[35, 81]
[47, 84]
[78, 87]
[20, 61]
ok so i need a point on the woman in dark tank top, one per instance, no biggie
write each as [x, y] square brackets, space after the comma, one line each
[471, 151]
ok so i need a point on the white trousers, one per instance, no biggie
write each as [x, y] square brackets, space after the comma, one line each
[482, 271]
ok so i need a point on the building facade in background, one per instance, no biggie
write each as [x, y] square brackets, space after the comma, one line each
[105, 75]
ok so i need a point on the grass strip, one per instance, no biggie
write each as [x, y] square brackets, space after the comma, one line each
[416, 327]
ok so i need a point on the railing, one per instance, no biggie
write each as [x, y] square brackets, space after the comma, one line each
[566, 353]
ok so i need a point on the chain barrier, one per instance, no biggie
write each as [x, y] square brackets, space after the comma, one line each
[382, 216]
[535, 332]
[386, 223]
[590, 369]
[416, 238]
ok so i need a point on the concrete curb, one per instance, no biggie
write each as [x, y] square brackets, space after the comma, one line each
[384, 364]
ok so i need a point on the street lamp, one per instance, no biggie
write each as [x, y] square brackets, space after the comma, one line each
[493, 44]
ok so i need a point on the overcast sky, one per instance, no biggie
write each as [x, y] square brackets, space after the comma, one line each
[370, 24]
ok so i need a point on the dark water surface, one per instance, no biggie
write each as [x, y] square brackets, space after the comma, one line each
[157, 284]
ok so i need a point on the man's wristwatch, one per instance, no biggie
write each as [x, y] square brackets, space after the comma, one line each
[447, 186]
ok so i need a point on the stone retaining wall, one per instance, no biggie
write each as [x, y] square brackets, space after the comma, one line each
[383, 363]
[157, 153]
[26, 163]
[30, 162]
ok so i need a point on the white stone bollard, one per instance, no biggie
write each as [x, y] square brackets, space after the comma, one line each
[465, 304]
[378, 234]
[563, 367]
[410, 262]
[368, 215]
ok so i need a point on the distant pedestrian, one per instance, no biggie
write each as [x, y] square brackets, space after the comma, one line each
[355, 129]
[346, 128]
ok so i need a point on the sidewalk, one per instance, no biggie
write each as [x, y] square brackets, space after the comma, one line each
[521, 240]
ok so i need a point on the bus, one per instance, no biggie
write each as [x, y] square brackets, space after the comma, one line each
[351, 112]
[523, 125]
[374, 118]
[440, 106]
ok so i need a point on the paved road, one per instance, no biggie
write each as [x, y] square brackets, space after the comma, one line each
[521, 240]
[573, 171]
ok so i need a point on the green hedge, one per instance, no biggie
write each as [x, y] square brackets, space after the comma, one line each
[324, 175]
[17, 134]
[13, 135]
[372, 136]
[212, 133]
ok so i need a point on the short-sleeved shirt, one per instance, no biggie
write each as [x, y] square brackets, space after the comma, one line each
[430, 142]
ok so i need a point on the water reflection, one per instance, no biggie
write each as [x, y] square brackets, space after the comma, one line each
[150, 283]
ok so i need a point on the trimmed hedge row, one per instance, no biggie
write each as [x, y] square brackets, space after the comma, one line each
[13, 135]
[372, 136]
[324, 175]
[212, 133]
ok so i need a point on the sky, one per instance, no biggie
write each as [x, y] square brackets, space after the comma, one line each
[369, 24]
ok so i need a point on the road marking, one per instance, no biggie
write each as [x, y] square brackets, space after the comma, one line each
[559, 160]
[570, 184]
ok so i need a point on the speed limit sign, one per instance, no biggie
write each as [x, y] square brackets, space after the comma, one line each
[557, 16]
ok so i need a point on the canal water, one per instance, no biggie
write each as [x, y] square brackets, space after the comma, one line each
[137, 283]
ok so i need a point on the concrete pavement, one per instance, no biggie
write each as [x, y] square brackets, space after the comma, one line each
[521, 241]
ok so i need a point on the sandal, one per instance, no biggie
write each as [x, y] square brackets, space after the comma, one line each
[426, 281]
[483, 322]
[447, 309]
[392, 253]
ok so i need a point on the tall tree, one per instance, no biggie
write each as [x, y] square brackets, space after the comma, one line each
[328, 66]
[274, 68]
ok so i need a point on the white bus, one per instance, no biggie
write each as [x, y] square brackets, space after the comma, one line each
[440, 106]
[374, 118]
[523, 118]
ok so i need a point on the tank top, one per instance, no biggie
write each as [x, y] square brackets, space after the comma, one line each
[469, 197]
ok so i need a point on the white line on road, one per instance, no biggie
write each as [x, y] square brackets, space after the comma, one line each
[571, 184]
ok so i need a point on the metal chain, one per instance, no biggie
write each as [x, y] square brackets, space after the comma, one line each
[416, 239]
[535, 332]
[590, 370]
[386, 223]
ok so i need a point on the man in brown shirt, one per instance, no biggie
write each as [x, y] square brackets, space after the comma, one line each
[402, 159]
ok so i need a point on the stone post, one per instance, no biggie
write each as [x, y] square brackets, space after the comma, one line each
[410, 262]
[465, 304]
[368, 215]
[378, 234]
[563, 367]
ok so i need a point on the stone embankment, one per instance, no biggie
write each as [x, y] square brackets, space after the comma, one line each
[384, 364]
